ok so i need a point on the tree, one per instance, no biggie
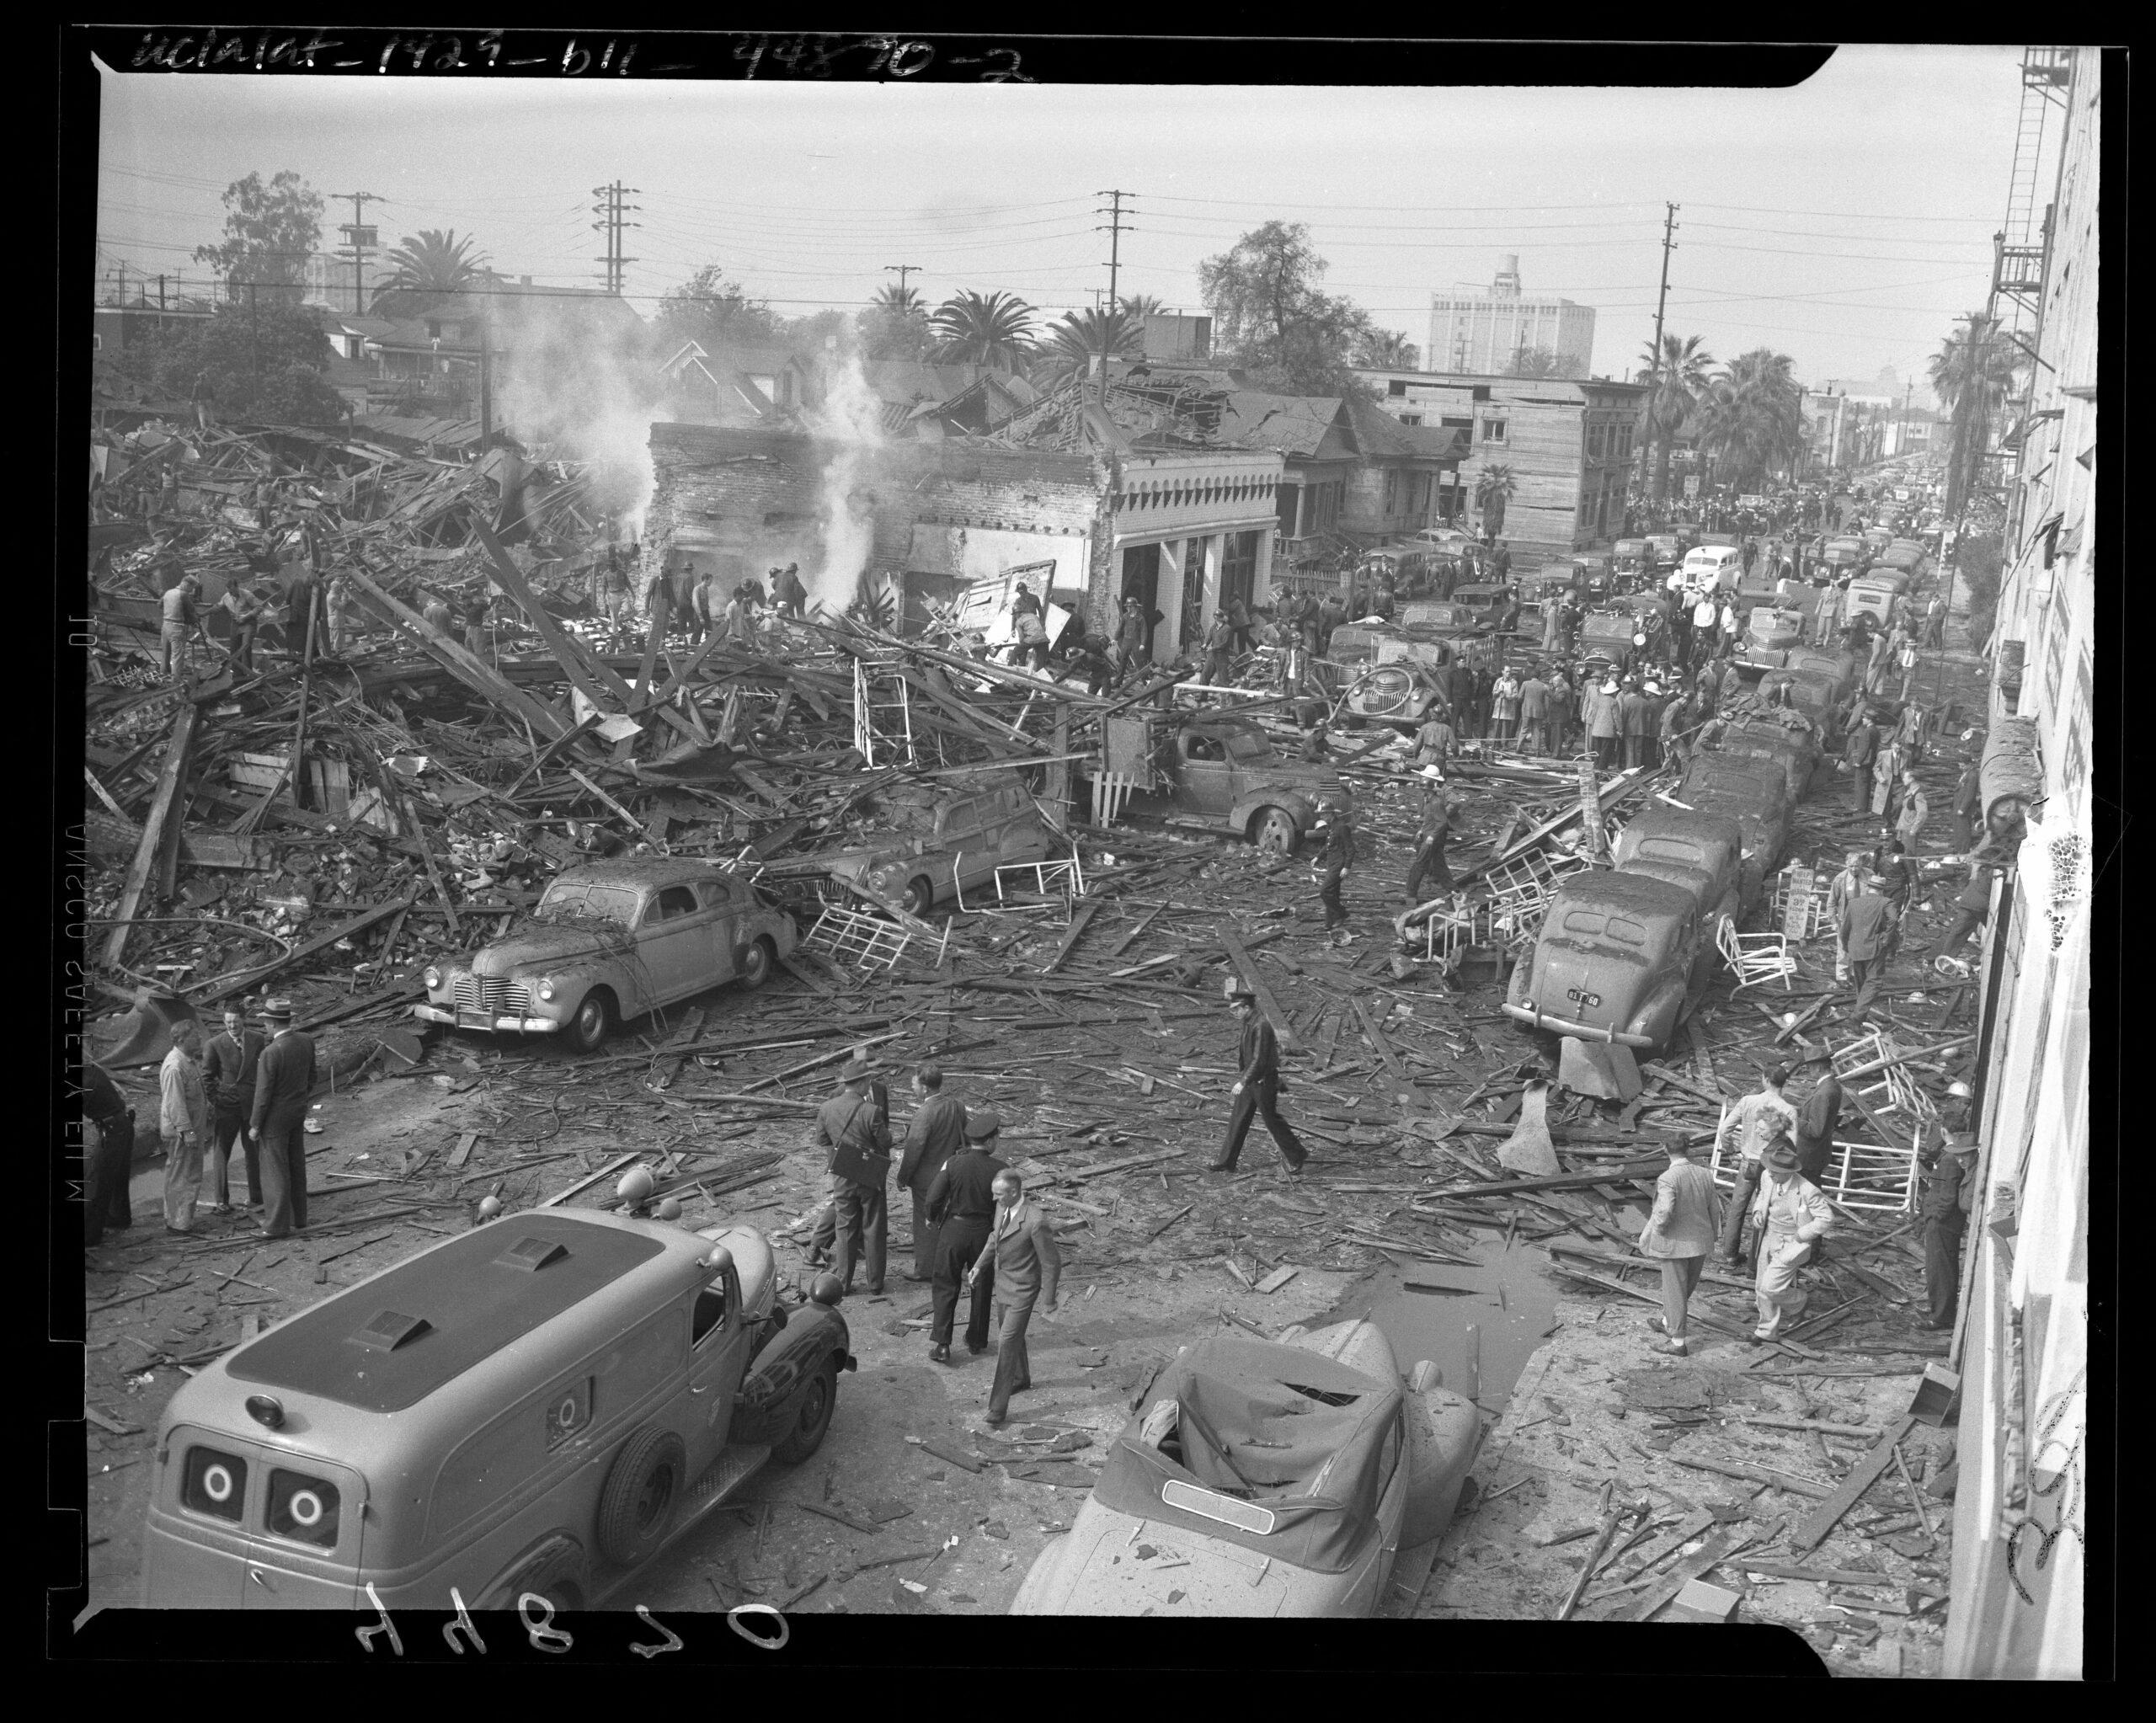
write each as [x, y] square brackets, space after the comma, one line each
[1138, 306]
[893, 325]
[1494, 486]
[900, 301]
[1678, 374]
[977, 329]
[714, 311]
[1536, 362]
[1750, 419]
[1972, 375]
[1271, 319]
[266, 363]
[1073, 346]
[271, 231]
[1386, 349]
[430, 266]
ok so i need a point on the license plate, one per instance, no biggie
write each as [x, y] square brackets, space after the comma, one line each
[1577, 997]
[475, 1020]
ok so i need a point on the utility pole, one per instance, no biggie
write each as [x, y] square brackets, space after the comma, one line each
[486, 376]
[161, 293]
[1654, 376]
[612, 214]
[902, 270]
[1115, 213]
[254, 339]
[359, 238]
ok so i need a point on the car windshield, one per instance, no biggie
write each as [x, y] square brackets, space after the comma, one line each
[907, 815]
[1249, 745]
[575, 901]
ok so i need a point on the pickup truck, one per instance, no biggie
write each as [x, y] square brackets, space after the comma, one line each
[1221, 773]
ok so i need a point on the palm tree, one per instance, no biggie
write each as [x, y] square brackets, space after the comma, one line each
[975, 329]
[1386, 349]
[1493, 489]
[1677, 373]
[1535, 362]
[1138, 306]
[899, 302]
[1749, 417]
[431, 261]
[1971, 379]
[1073, 346]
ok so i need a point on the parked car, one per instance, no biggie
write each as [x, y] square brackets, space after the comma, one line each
[1630, 559]
[1221, 773]
[946, 838]
[1839, 666]
[1606, 635]
[1486, 600]
[1715, 566]
[1755, 794]
[1667, 549]
[1702, 853]
[1841, 558]
[1770, 635]
[1872, 593]
[1818, 695]
[540, 1405]
[609, 941]
[1278, 1479]
[1796, 751]
[1621, 958]
[1401, 693]
[1450, 619]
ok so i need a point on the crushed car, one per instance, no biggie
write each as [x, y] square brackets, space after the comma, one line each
[608, 941]
[1621, 957]
[1702, 853]
[1755, 794]
[1763, 736]
[1217, 772]
[1280, 1479]
[1401, 693]
[946, 838]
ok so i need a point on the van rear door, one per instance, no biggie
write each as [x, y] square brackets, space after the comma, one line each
[305, 1527]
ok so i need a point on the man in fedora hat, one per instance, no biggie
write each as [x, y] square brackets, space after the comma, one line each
[1429, 858]
[1535, 714]
[1949, 1173]
[1754, 1120]
[1255, 1092]
[849, 1121]
[1790, 1217]
[1599, 708]
[961, 1204]
[1821, 1115]
[1680, 1235]
[1633, 724]
[284, 1078]
[934, 1133]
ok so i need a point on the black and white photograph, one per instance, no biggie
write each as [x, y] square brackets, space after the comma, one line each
[753, 705]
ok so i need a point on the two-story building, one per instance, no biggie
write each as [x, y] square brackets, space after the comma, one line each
[1571, 446]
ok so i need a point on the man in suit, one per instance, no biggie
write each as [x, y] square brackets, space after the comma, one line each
[1948, 1173]
[849, 1120]
[1022, 1254]
[935, 1132]
[1257, 1090]
[1679, 1233]
[105, 1199]
[1866, 924]
[962, 1203]
[1820, 1117]
[1334, 828]
[1790, 1217]
[284, 1078]
[229, 1064]
[1860, 750]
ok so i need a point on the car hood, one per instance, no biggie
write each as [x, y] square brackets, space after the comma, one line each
[542, 943]
[1096, 1569]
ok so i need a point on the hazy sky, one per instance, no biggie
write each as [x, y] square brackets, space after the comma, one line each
[1845, 222]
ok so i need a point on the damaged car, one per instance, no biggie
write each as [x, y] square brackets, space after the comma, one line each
[946, 838]
[609, 942]
[1265, 1478]
[1621, 957]
[1217, 772]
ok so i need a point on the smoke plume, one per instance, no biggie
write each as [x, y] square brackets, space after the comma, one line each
[849, 421]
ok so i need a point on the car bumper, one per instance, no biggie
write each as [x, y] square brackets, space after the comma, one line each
[486, 1021]
[1584, 1032]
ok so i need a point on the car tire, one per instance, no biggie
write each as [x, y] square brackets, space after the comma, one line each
[819, 1399]
[753, 968]
[594, 1019]
[1274, 831]
[919, 896]
[642, 1496]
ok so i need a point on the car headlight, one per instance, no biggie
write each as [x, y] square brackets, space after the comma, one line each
[432, 977]
[545, 990]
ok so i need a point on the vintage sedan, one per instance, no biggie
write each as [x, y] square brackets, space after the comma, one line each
[1794, 748]
[1401, 693]
[946, 838]
[1770, 635]
[608, 941]
[1702, 853]
[1446, 619]
[1819, 694]
[1755, 794]
[1622, 956]
[1264, 1478]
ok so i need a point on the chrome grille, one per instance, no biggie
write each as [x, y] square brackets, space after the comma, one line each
[494, 995]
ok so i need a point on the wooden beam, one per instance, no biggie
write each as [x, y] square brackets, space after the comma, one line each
[1369, 1022]
[1086, 911]
[162, 805]
[459, 663]
[240, 983]
[1239, 955]
[1862, 1476]
[598, 682]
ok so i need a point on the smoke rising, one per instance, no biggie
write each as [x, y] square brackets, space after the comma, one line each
[849, 419]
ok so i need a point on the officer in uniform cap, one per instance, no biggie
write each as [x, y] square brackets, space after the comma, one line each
[1949, 1172]
[962, 1203]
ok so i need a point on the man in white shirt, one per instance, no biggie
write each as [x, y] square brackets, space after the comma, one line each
[1753, 1122]
[183, 1123]
[1791, 1216]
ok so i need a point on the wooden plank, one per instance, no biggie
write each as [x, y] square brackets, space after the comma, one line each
[1719, 1549]
[240, 983]
[1086, 911]
[1369, 1022]
[458, 662]
[1239, 955]
[1862, 1476]
[1274, 1281]
[1754, 1474]
[1124, 944]
[161, 804]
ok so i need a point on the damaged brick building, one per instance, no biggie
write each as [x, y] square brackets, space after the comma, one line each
[1181, 527]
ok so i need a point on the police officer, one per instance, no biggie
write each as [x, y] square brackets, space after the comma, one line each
[1257, 1089]
[962, 1205]
[1334, 860]
[851, 1120]
[1949, 1170]
[1429, 858]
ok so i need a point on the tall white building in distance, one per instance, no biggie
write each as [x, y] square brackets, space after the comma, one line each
[1483, 330]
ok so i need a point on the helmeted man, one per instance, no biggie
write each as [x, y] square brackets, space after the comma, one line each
[1430, 834]
[1433, 740]
[1256, 1092]
[1790, 1217]
[1220, 651]
[849, 1121]
[1949, 1179]
[1820, 1116]
[935, 1132]
[1599, 708]
[962, 1205]
[1504, 696]
[1337, 832]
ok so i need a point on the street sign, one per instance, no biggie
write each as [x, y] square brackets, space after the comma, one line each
[1691, 484]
